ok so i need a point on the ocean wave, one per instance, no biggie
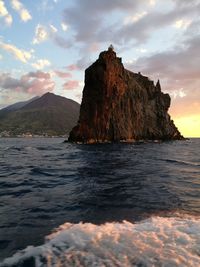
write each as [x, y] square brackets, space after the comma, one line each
[157, 241]
[182, 162]
[41, 171]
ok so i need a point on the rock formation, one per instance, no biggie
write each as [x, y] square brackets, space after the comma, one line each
[121, 106]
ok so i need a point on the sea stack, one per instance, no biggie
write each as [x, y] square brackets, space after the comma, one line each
[121, 106]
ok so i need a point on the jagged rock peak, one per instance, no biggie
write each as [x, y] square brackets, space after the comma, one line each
[121, 106]
[158, 85]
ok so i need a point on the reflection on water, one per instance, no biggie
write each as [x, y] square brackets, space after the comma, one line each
[118, 182]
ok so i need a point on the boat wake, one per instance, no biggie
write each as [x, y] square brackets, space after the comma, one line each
[157, 241]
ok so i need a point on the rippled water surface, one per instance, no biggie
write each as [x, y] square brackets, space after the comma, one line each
[45, 183]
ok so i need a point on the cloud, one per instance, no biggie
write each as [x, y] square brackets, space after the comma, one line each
[134, 25]
[41, 63]
[23, 12]
[83, 62]
[135, 18]
[62, 74]
[7, 82]
[64, 27]
[172, 64]
[34, 83]
[41, 34]
[62, 42]
[1, 57]
[140, 31]
[19, 54]
[141, 50]
[179, 73]
[94, 47]
[53, 28]
[4, 13]
[80, 11]
[70, 85]
[180, 3]
[72, 67]
[38, 74]
[39, 87]
[25, 56]
[152, 2]
[182, 24]
[87, 27]
[46, 5]
[178, 93]
[44, 33]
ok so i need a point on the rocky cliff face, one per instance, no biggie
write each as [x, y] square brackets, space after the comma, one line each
[119, 105]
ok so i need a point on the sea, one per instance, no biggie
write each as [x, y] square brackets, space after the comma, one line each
[102, 205]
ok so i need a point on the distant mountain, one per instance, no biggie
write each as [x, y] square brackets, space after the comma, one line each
[17, 105]
[49, 114]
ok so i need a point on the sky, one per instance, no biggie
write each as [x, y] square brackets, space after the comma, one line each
[46, 45]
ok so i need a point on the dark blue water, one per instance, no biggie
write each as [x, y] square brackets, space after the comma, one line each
[45, 183]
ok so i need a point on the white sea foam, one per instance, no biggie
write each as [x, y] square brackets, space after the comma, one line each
[157, 241]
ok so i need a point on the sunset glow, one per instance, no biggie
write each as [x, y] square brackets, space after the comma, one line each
[189, 126]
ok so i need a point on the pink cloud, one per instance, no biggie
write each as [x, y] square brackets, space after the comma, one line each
[40, 75]
[62, 74]
[35, 83]
[70, 85]
[72, 67]
[39, 87]
[94, 47]
[37, 75]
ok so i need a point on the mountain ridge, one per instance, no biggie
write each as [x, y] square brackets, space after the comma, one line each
[17, 105]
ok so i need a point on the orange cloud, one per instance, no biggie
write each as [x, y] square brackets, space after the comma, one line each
[22, 55]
